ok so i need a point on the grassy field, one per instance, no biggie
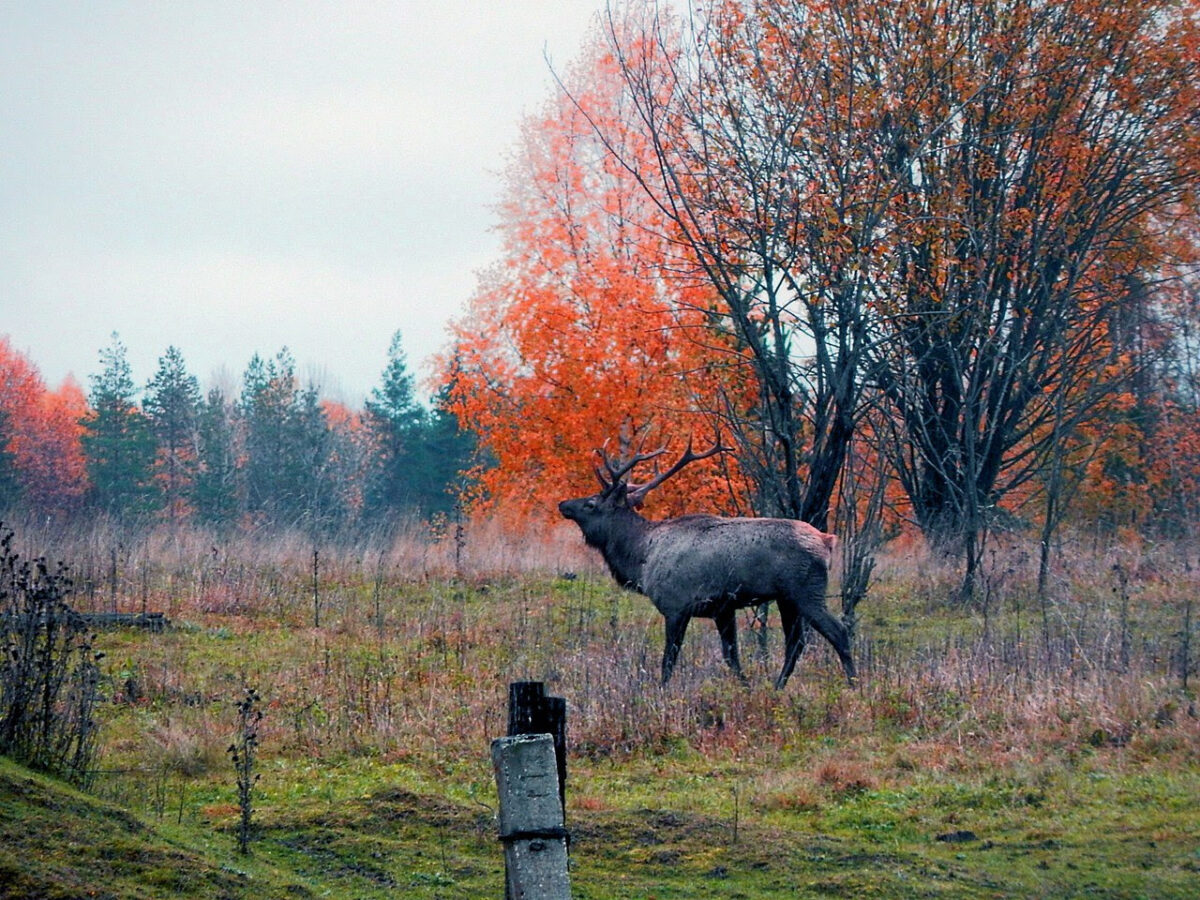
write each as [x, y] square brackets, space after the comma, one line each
[1017, 748]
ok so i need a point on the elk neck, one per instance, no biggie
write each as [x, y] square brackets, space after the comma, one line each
[623, 544]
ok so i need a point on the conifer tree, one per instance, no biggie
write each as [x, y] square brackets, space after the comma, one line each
[446, 454]
[268, 395]
[214, 490]
[317, 495]
[172, 405]
[396, 422]
[118, 441]
[287, 446]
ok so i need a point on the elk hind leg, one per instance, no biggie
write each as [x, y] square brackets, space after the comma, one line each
[676, 628]
[794, 637]
[726, 623]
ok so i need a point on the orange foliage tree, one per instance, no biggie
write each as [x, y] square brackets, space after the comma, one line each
[40, 433]
[1143, 459]
[1173, 443]
[584, 333]
[349, 450]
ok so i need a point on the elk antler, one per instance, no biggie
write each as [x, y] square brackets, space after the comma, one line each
[616, 474]
[637, 492]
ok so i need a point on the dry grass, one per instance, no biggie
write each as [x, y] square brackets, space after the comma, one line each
[1011, 717]
[418, 639]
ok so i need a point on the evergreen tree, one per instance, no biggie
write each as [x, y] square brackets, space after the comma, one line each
[268, 395]
[173, 404]
[447, 451]
[214, 490]
[396, 422]
[287, 472]
[118, 441]
[418, 453]
[317, 493]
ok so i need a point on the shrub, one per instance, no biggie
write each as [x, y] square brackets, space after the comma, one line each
[244, 750]
[49, 675]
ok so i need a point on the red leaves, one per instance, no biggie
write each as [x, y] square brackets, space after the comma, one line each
[583, 332]
[40, 429]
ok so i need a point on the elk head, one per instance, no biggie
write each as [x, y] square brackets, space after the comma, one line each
[618, 496]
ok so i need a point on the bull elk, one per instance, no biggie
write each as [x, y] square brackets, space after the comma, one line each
[710, 566]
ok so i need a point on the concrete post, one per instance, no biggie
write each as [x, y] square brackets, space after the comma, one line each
[531, 817]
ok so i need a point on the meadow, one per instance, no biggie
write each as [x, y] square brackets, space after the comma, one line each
[1023, 746]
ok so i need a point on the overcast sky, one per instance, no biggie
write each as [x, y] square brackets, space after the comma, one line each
[234, 177]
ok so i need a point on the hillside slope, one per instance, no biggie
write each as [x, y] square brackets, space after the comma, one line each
[56, 842]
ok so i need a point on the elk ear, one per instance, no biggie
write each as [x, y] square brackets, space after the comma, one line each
[622, 495]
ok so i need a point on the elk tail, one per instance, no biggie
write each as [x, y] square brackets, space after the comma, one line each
[830, 541]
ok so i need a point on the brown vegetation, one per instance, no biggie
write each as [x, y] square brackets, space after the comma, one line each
[412, 657]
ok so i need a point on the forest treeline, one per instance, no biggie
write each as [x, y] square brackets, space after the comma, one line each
[275, 455]
[921, 266]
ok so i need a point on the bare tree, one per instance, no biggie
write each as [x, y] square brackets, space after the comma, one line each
[1021, 233]
[779, 220]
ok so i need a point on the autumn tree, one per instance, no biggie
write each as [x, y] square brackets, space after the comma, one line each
[21, 390]
[118, 441]
[1021, 229]
[1155, 466]
[1175, 445]
[768, 176]
[584, 333]
[41, 458]
[56, 479]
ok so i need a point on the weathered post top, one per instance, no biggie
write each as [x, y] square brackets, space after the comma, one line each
[527, 763]
[531, 711]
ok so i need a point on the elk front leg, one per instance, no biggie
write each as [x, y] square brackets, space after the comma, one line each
[676, 628]
[726, 623]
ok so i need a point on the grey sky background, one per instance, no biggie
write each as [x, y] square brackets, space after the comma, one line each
[234, 177]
